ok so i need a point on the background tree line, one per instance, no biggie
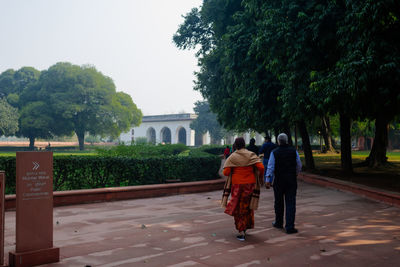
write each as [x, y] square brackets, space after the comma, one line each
[62, 100]
[281, 65]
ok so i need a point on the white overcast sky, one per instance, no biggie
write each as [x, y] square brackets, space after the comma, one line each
[127, 40]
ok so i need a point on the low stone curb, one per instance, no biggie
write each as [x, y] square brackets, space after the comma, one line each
[388, 197]
[74, 197]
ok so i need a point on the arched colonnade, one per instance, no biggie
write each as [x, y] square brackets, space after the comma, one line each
[167, 129]
[167, 136]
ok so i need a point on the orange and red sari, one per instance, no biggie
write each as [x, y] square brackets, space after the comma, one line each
[239, 206]
[240, 167]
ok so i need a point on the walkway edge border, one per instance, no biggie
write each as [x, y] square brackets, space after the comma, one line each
[387, 197]
[74, 197]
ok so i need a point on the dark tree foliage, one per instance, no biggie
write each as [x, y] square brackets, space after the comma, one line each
[83, 100]
[206, 121]
[364, 83]
[267, 64]
[371, 66]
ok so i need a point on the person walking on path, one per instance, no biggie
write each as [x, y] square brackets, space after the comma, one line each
[245, 175]
[283, 167]
[266, 149]
[252, 146]
[227, 152]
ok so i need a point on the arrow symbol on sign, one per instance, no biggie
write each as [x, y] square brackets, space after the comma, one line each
[35, 165]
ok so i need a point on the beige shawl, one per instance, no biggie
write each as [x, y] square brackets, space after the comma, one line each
[242, 158]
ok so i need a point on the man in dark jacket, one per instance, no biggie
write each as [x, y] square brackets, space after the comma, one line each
[266, 149]
[252, 146]
[283, 166]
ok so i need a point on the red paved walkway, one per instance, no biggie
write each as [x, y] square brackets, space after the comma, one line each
[336, 229]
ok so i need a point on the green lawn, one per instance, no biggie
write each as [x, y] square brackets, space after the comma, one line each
[393, 155]
[333, 160]
[385, 177]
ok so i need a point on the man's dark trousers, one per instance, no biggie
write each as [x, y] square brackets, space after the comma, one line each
[285, 196]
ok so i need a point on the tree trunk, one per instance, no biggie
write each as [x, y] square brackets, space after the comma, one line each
[31, 143]
[390, 139]
[81, 139]
[308, 156]
[377, 155]
[289, 135]
[326, 134]
[345, 143]
[276, 133]
[333, 142]
[365, 143]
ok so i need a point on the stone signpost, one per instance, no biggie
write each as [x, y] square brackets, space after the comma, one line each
[34, 210]
[2, 192]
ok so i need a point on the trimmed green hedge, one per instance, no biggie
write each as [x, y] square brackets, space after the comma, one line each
[213, 149]
[84, 172]
[26, 148]
[63, 148]
[14, 148]
[142, 150]
[7, 164]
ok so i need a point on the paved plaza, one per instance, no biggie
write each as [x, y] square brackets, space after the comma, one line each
[335, 229]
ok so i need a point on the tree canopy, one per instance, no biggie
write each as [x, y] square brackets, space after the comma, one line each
[83, 100]
[206, 121]
[68, 98]
[8, 118]
[267, 64]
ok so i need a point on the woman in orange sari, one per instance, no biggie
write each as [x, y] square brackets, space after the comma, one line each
[245, 171]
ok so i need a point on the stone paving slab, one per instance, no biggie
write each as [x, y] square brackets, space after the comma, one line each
[335, 229]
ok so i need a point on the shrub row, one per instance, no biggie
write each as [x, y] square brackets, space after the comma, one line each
[84, 172]
[7, 164]
[62, 148]
[14, 148]
[213, 149]
[143, 150]
[26, 148]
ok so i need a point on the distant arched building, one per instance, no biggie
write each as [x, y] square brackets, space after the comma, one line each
[168, 129]
[174, 129]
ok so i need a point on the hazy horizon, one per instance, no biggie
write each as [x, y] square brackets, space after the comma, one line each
[129, 41]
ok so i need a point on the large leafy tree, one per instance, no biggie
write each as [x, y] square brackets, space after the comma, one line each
[303, 40]
[83, 100]
[234, 76]
[6, 82]
[8, 118]
[124, 113]
[23, 78]
[303, 59]
[236, 101]
[21, 88]
[364, 82]
[35, 122]
[14, 83]
[22, 81]
[206, 121]
[247, 97]
[370, 66]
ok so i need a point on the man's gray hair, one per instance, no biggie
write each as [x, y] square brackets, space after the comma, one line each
[282, 139]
